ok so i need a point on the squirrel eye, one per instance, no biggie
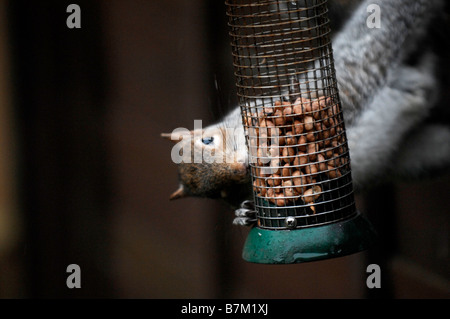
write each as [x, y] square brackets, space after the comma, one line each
[207, 140]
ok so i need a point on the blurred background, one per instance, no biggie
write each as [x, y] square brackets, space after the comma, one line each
[85, 177]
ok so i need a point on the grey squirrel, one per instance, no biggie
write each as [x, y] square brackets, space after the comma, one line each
[387, 79]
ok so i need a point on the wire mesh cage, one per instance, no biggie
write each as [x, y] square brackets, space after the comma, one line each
[291, 111]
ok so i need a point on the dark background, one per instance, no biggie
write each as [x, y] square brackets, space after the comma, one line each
[85, 177]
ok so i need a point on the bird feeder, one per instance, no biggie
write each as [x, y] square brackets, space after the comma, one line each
[295, 133]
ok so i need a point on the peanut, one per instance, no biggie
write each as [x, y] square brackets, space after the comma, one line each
[311, 169]
[275, 166]
[302, 105]
[328, 152]
[274, 151]
[290, 139]
[288, 188]
[268, 110]
[299, 181]
[274, 180]
[315, 109]
[310, 137]
[288, 154]
[280, 118]
[300, 159]
[302, 143]
[270, 192]
[286, 171]
[298, 144]
[312, 194]
[309, 123]
[280, 200]
[265, 123]
[278, 140]
[321, 162]
[333, 172]
[298, 127]
[297, 109]
[263, 191]
[287, 110]
[312, 149]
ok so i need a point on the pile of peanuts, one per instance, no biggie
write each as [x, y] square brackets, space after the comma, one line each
[296, 145]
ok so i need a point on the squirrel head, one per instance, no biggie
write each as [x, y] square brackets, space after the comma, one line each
[212, 162]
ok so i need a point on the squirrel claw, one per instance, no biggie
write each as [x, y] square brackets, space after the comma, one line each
[244, 212]
[248, 204]
[244, 221]
[246, 215]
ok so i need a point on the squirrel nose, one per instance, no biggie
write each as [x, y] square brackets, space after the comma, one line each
[240, 167]
[241, 163]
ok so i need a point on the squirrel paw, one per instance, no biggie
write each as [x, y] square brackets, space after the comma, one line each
[246, 214]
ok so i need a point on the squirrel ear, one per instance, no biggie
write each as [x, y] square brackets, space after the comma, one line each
[179, 193]
[175, 137]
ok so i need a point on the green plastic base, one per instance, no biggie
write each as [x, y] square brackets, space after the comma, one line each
[308, 244]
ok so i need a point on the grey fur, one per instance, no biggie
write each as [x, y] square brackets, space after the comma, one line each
[364, 57]
[376, 136]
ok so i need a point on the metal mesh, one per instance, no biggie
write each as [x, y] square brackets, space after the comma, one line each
[291, 112]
